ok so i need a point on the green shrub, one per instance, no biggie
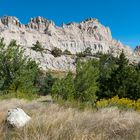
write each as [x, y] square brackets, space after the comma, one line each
[66, 52]
[87, 51]
[64, 88]
[81, 54]
[47, 84]
[56, 52]
[37, 47]
[82, 87]
[122, 103]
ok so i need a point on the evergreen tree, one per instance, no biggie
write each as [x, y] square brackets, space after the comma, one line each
[119, 76]
[107, 64]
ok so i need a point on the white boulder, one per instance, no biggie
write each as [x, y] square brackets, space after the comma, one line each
[17, 118]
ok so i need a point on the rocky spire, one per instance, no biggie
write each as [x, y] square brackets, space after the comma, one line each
[9, 21]
[39, 23]
[90, 20]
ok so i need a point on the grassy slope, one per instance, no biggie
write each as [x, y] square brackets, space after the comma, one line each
[52, 122]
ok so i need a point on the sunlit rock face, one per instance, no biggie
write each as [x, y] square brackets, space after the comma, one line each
[137, 50]
[75, 37]
[137, 53]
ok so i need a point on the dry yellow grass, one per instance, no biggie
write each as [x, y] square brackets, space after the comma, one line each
[52, 122]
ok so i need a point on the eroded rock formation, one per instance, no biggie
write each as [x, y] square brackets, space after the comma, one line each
[74, 37]
[137, 50]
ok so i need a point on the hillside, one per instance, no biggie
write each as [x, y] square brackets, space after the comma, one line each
[74, 37]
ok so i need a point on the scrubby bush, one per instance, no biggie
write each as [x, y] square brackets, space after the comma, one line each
[80, 54]
[56, 52]
[17, 73]
[122, 103]
[46, 84]
[66, 52]
[64, 88]
[87, 51]
[82, 87]
[37, 47]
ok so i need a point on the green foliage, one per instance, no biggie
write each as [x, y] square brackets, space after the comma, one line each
[17, 73]
[87, 51]
[66, 52]
[19, 95]
[118, 77]
[94, 79]
[56, 52]
[64, 88]
[86, 84]
[82, 87]
[107, 64]
[37, 47]
[47, 84]
[80, 54]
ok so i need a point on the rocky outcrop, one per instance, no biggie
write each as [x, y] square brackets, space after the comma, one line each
[74, 37]
[39, 23]
[137, 50]
[17, 118]
[137, 53]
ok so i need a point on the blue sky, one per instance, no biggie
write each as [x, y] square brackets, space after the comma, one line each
[122, 16]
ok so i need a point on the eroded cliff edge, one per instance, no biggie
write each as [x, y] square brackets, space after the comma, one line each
[74, 37]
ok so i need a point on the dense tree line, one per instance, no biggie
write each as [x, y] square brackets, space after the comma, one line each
[118, 77]
[98, 79]
[94, 79]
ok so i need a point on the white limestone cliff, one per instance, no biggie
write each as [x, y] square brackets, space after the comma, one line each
[75, 37]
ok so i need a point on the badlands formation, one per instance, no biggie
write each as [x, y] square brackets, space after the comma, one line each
[74, 37]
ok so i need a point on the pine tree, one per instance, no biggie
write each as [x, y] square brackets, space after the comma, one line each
[107, 64]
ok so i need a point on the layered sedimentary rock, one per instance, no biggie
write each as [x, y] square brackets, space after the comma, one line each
[74, 37]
